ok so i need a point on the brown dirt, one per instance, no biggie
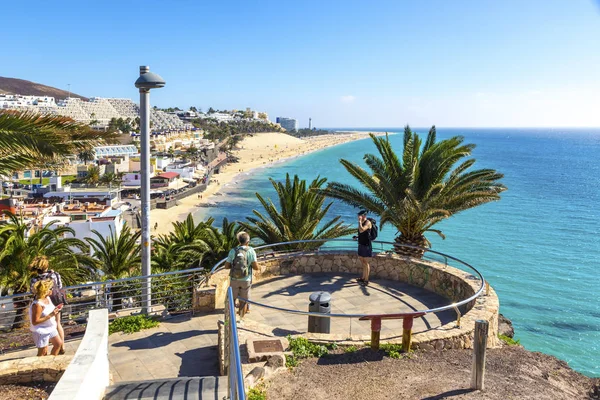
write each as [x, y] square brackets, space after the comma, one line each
[511, 373]
[20, 339]
[33, 391]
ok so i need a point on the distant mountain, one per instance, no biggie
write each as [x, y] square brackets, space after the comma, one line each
[27, 88]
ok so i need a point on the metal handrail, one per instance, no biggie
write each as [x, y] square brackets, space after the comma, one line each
[219, 266]
[113, 282]
[234, 366]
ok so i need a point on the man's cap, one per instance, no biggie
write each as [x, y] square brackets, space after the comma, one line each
[362, 212]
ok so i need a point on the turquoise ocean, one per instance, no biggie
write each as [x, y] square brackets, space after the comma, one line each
[539, 246]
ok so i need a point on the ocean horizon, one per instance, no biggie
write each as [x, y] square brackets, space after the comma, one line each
[538, 246]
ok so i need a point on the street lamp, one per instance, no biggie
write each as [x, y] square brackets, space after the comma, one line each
[147, 80]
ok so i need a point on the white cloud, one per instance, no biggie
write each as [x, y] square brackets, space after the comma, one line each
[347, 99]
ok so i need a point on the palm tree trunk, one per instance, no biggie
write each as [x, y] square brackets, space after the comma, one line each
[21, 319]
[419, 241]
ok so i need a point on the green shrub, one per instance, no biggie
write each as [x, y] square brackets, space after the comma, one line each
[394, 354]
[509, 341]
[131, 324]
[393, 350]
[350, 349]
[257, 393]
[291, 361]
[302, 348]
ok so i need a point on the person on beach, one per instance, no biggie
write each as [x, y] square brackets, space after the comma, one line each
[365, 248]
[241, 261]
[44, 317]
[40, 267]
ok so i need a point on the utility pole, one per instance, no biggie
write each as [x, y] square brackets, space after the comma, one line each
[147, 80]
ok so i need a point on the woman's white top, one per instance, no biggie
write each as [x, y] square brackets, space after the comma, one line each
[47, 326]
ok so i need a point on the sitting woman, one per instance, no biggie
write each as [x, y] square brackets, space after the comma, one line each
[43, 316]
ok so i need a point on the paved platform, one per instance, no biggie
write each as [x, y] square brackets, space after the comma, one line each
[348, 297]
[183, 346]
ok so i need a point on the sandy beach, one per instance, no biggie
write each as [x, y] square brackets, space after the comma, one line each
[253, 152]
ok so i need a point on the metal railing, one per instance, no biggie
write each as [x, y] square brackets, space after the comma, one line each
[172, 293]
[233, 362]
[332, 246]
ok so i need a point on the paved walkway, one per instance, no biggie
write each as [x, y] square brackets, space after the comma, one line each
[183, 346]
[348, 297]
[186, 346]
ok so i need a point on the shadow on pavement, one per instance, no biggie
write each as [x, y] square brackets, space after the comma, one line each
[160, 339]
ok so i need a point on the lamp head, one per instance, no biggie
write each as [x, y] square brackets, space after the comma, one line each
[149, 80]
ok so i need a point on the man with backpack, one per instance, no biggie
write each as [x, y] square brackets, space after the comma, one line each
[241, 261]
[367, 232]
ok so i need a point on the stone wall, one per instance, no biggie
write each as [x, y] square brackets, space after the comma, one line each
[449, 282]
[33, 369]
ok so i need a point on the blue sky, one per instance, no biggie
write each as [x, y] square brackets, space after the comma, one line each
[343, 63]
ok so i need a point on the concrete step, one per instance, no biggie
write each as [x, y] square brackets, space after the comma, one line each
[188, 388]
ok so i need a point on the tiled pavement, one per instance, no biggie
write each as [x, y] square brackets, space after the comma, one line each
[348, 297]
[179, 347]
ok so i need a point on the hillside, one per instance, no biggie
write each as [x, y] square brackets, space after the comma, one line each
[28, 88]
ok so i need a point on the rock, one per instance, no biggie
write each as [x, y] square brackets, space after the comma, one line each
[276, 361]
[254, 376]
[505, 326]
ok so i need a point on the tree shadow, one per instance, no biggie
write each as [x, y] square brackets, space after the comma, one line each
[449, 393]
[199, 362]
[317, 282]
[356, 357]
[161, 339]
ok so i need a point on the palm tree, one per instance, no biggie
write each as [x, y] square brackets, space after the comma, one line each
[193, 152]
[192, 245]
[93, 175]
[111, 178]
[20, 244]
[301, 210]
[87, 155]
[29, 139]
[118, 255]
[171, 152]
[218, 242]
[421, 188]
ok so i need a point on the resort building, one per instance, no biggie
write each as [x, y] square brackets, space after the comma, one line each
[85, 217]
[97, 110]
[289, 124]
[165, 179]
[118, 150]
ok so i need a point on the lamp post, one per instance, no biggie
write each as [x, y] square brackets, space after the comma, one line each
[147, 80]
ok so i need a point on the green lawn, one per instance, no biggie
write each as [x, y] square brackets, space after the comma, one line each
[46, 181]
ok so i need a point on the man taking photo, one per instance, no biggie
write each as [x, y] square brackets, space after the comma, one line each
[365, 248]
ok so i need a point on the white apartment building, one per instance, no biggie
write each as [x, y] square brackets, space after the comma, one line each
[289, 124]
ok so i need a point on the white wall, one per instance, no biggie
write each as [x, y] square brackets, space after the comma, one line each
[87, 376]
[84, 229]
[185, 172]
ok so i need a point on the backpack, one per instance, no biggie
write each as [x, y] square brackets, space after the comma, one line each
[239, 266]
[374, 230]
[58, 295]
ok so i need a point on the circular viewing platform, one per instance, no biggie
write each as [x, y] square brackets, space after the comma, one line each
[381, 296]
[450, 293]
